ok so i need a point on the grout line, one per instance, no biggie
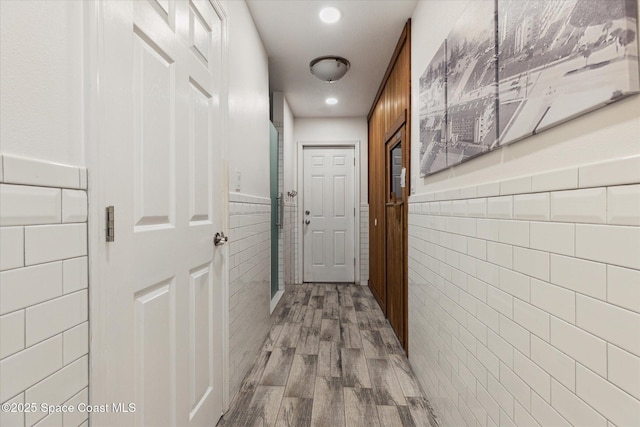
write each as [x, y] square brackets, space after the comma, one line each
[24, 247]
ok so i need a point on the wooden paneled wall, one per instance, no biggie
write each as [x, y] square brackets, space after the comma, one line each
[392, 100]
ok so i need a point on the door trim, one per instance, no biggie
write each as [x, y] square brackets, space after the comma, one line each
[94, 121]
[395, 127]
[355, 144]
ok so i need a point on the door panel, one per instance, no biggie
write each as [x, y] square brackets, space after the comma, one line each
[165, 9]
[329, 197]
[200, 336]
[154, 348]
[317, 202]
[153, 103]
[395, 233]
[339, 248]
[318, 249]
[199, 33]
[395, 270]
[339, 196]
[161, 167]
[199, 154]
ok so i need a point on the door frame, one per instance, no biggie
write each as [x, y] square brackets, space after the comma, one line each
[355, 144]
[94, 122]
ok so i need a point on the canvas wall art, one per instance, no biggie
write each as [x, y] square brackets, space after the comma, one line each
[516, 67]
[562, 58]
[471, 84]
[433, 143]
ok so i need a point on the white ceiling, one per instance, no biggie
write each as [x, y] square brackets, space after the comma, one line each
[293, 35]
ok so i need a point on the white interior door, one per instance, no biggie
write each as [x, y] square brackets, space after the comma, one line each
[329, 214]
[160, 166]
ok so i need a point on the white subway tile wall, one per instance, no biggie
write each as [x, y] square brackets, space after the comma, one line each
[290, 241]
[23, 171]
[11, 247]
[364, 243]
[524, 299]
[44, 325]
[249, 282]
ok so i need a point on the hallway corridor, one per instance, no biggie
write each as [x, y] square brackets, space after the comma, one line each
[331, 359]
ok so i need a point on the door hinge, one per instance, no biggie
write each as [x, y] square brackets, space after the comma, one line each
[110, 228]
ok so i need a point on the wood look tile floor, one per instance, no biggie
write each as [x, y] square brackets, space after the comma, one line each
[331, 359]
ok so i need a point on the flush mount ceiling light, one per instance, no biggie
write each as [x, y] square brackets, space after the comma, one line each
[331, 101]
[329, 68]
[330, 15]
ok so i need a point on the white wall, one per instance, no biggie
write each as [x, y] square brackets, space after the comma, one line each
[290, 159]
[249, 275]
[523, 269]
[41, 64]
[291, 203]
[284, 121]
[43, 209]
[342, 129]
[248, 103]
[338, 129]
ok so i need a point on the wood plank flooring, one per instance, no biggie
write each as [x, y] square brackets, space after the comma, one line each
[330, 360]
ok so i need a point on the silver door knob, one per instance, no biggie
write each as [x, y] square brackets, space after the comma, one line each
[220, 239]
[306, 221]
[307, 212]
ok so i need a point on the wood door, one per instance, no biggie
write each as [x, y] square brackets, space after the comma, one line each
[161, 167]
[329, 214]
[395, 210]
[392, 100]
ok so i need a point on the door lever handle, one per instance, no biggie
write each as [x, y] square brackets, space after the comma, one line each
[220, 239]
[307, 222]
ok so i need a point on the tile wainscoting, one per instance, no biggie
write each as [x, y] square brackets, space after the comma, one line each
[364, 244]
[44, 326]
[524, 298]
[249, 282]
[291, 243]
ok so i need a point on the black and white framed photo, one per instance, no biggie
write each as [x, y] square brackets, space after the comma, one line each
[471, 84]
[559, 59]
[433, 143]
[513, 68]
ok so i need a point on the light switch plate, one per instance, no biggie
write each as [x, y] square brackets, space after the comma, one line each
[237, 178]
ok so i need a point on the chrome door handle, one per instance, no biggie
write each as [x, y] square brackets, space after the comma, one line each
[307, 222]
[220, 239]
[307, 212]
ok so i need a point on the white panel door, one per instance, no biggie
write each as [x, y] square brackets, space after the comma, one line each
[160, 166]
[329, 214]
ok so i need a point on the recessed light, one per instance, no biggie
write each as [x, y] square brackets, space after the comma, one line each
[331, 101]
[330, 15]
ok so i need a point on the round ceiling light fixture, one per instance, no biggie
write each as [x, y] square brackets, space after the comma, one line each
[329, 68]
[330, 15]
[331, 101]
